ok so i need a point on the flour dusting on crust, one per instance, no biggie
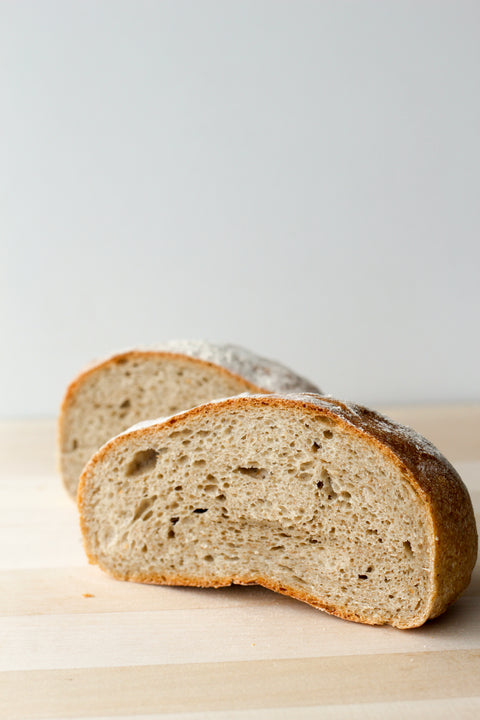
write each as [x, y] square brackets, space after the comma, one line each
[268, 374]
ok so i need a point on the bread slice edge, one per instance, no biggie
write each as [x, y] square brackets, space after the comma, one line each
[445, 497]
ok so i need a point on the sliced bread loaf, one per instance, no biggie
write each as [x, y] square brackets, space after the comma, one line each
[131, 386]
[327, 502]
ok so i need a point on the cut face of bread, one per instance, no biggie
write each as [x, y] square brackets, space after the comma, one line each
[328, 503]
[140, 384]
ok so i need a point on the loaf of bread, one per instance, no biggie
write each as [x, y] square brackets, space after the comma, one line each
[330, 503]
[131, 386]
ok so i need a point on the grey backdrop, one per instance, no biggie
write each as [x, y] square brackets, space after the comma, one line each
[298, 177]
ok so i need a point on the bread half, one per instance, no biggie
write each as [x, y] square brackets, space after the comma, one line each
[131, 386]
[324, 501]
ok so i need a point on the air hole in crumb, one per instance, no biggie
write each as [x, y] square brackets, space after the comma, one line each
[316, 446]
[200, 510]
[408, 548]
[171, 534]
[363, 577]
[143, 507]
[251, 471]
[299, 579]
[327, 434]
[74, 444]
[208, 558]
[278, 547]
[174, 520]
[326, 483]
[125, 404]
[178, 487]
[142, 462]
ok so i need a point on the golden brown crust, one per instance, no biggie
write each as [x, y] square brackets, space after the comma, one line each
[442, 489]
[208, 582]
[437, 484]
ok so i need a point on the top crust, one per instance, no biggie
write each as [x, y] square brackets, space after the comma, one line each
[268, 374]
[429, 473]
[260, 375]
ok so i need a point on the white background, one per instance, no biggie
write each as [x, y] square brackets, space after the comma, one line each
[302, 178]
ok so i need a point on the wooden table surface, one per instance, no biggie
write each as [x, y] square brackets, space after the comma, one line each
[76, 644]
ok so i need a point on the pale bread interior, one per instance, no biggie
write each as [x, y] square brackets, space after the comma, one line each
[276, 495]
[122, 393]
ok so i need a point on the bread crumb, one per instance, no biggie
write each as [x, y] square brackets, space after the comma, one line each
[88, 595]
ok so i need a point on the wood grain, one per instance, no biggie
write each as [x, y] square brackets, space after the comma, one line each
[239, 685]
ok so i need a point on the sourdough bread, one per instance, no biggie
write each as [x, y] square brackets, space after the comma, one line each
[127, 387]
[327, 502]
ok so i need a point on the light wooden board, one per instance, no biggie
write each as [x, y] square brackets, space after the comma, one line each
[76, 644]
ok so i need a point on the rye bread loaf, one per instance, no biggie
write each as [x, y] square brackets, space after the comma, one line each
[327, 502]
[127, 387]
